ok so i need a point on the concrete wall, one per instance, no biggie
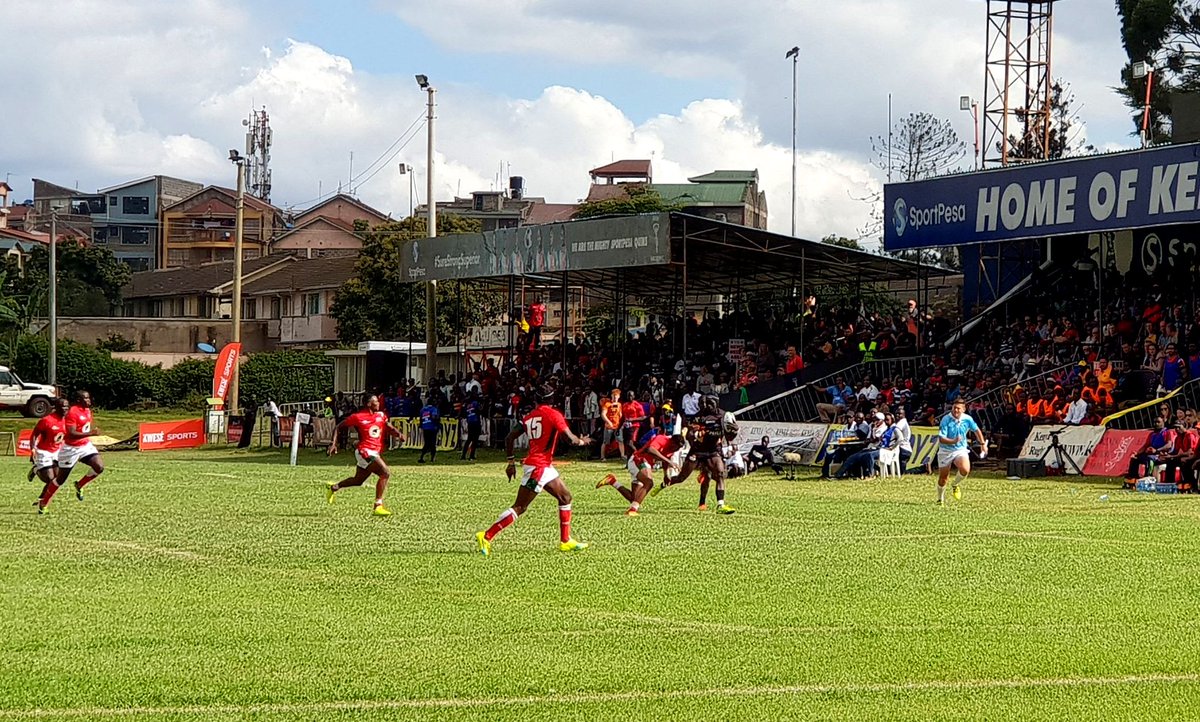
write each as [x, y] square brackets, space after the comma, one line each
[166, 360]
[165, 335]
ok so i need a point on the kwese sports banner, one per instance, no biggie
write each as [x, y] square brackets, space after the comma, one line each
[171, 435]
[223, 371]
[25, 442]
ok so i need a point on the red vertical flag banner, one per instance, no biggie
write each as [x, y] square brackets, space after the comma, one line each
[223, 372]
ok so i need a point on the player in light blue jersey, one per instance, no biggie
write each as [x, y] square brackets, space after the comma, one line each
[953, 452]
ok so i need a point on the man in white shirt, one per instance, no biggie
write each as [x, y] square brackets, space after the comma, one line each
[691, 403]
[1077, 410]
[868, 392]
[473, 385]
[591, 409]
[902, 430]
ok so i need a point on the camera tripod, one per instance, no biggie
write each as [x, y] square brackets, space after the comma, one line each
[1060, 453]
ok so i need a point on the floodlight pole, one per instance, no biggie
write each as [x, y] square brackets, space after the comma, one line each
[53, 369]
[236, 311]
[431, 232]
[794, 54]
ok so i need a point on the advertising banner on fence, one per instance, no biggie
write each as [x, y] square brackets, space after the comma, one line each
[24, 442]
[413, 439]
[1077, 441]
[1111, 455]
[924, 443]
[223, 371]
[1137, 189]
[804, 439]
[171, 435]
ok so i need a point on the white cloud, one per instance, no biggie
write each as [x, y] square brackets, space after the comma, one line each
[114, 91]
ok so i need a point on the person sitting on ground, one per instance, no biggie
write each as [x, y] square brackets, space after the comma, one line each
[760, 455]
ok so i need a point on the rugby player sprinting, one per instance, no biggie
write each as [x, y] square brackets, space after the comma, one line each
[44, 446]
[77, 444]
[372, 426]
[543, 425]
[953, 453]
[655, 453]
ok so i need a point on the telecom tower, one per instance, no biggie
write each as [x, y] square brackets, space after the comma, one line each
[1017, 81]
[258, 151]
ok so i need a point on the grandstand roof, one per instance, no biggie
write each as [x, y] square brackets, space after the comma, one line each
[708, 258]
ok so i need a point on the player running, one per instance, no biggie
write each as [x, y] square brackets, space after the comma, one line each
[656, 453]
[953, 452]
[706, 433]
[543, 425]
[44, 446]
[77, 444]
[372, 426]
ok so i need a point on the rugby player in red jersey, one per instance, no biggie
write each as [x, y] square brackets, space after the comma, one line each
[44, 446]
[77, 444]
[372, 426]
[543, 425]
[655, 453]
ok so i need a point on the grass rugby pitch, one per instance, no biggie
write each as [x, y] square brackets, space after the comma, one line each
[213, 585]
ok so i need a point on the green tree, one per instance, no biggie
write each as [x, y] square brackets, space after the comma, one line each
[1064, 136]
[638, 198]
[842, 241]
[378, 304]
[90, 280]
[1166, 34]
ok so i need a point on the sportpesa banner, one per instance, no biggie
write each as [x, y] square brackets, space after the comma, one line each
[576, 245]
[1137, 189]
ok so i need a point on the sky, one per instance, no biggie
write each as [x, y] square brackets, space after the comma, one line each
[99, 92]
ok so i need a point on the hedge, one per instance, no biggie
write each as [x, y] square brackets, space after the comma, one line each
[283, 376]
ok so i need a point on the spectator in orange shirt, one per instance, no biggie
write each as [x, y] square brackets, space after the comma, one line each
[610, 411]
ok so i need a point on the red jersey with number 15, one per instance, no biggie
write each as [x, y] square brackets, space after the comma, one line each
[48, 434]
[369, 425]
[542, 426]
[80, 420]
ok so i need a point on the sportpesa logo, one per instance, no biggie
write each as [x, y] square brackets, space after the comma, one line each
[904, 217]
[900, 216]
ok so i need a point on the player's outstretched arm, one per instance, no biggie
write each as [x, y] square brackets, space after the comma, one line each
[394, 432]
[336, 430]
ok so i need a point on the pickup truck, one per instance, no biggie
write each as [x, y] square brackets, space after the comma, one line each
[34, 400]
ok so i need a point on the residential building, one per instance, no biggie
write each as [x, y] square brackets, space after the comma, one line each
[327, 229]
[732, 196]
[72, 208]
[199, 228]
[202, 291]
[505, 209]
[129, 225]
[296, 298]
[291, 296]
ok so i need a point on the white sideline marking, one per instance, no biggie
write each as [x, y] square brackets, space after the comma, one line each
[600, 697]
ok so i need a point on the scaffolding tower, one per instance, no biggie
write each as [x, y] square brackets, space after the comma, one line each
[1017, 81]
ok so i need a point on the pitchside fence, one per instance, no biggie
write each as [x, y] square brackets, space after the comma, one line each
[800, 404]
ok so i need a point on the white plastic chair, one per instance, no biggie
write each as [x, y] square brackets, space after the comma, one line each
[889, 462]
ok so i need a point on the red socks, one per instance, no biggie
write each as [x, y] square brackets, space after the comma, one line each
[85, 480]
[506, 519]
[48, 494]
[564, 522]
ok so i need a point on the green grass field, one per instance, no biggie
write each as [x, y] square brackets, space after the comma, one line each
[213, 585]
